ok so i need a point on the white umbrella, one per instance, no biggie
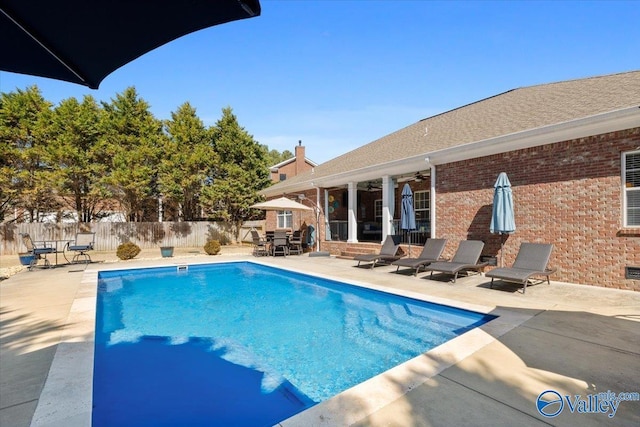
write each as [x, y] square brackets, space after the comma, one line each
[281, 204]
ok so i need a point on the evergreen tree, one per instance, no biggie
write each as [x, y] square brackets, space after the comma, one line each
[188, 159]
[130, 146]
[274, 156]
[24, 181]
[242, 171]
[77, 156]
[75, 132]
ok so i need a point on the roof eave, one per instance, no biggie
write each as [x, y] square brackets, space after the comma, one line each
[611, 121]
[625, 118]
[275, 168]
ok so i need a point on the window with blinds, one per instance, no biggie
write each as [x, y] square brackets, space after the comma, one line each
[631, 180]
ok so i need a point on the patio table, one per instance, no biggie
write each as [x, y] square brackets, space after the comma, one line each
[58, 246]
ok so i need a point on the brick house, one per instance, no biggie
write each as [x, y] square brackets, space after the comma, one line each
[293, 166]
[571, 150]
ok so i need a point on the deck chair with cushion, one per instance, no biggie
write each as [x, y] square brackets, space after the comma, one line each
[388, 253]
[465, 259]
[532, 260]
[430, 253]
[37, 249]
[84, 243]
[259, 244]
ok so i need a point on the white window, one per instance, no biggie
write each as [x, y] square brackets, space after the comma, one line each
[285, 219]
[377, 208]
[421, 206]
[631, 190]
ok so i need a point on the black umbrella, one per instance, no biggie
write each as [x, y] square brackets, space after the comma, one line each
[82, 41]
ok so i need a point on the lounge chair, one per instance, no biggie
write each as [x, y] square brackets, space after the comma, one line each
[388, 253]
[259, 244]
[532, 260]
[37, 250]
[465, 259]
[430, 253]
[84, 243]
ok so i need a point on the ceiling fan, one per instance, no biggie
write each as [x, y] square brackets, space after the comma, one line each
[371, 187]
[419, 177]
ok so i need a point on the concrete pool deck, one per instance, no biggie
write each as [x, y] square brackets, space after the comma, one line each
[576, 340]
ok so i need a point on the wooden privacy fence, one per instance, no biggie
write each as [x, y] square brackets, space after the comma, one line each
[111, 234]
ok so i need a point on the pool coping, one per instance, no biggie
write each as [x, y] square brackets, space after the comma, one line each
[66, 398]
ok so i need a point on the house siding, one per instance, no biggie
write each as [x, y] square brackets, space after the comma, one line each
[568, 193]
[292, 167]
[291, 170]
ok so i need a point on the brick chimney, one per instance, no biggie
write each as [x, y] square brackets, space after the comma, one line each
[300, 163]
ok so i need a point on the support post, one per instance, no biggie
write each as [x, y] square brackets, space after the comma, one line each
[352, 222]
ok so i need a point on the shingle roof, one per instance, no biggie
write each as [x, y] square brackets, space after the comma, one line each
[509, 112]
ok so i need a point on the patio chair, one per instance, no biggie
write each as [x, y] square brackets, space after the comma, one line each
[430, 253]
[465, 259]
[532, 260]
[84, 243]
[388, 253]
[37, 251]
[295, 244]
[280, 243]
[259, 244]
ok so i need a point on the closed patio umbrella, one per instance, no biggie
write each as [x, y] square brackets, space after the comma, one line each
[407, 214]
[502, 217]
[83, 41]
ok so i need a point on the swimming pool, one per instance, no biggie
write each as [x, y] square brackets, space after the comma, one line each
[261, 344]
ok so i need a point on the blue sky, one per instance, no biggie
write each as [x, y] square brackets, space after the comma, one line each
[338, 74]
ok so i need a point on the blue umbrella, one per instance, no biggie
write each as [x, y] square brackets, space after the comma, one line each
[407, 215]
[502, 217]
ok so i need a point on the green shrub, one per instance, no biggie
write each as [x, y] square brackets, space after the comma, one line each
[212, 247]
[127, 250]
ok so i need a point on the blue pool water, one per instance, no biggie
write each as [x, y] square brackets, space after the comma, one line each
[245, 344]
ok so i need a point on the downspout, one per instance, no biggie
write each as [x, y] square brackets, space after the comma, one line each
[318, 218]
[318, 210]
